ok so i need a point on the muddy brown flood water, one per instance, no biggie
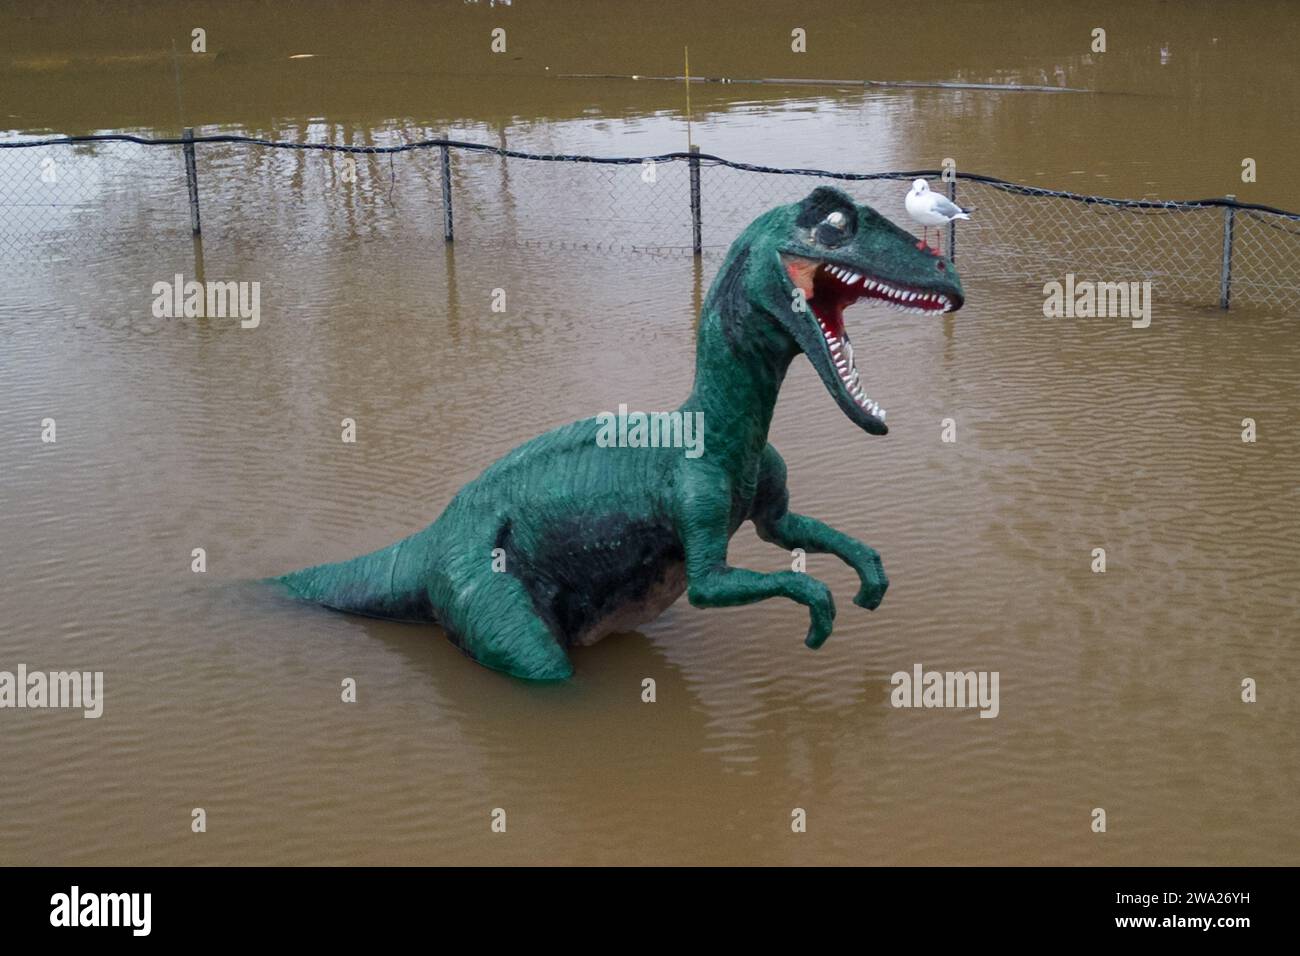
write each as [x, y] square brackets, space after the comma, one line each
[1119, 690]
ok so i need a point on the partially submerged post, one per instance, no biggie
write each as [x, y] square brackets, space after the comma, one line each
[696, 243]
[1225, 270]
[191, 178]
[446, 192]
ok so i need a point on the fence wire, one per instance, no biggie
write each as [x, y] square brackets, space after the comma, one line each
[87, 199]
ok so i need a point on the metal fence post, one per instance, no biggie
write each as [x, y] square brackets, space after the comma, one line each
[952, 223]
[1225, 272]
[446, 193]
[192, 179]
[696, 243]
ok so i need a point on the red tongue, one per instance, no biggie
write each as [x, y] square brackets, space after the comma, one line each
[826, 294]
[831, 313]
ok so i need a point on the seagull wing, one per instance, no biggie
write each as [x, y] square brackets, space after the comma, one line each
[945, 206]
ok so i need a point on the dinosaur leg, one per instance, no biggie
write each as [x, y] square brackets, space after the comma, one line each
[792, 530]
[704, 523]
[489, 615]
[776, 523]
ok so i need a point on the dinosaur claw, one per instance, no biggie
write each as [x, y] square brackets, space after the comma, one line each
[870, 596]
[820, 628]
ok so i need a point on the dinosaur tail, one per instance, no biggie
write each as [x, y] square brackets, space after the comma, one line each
[390, 583]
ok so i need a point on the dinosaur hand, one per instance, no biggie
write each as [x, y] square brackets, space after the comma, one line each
[816, 596]
[874, 582]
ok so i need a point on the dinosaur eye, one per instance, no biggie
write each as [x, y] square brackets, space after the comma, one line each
[832, 230]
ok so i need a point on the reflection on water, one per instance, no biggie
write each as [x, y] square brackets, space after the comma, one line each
[1173, 129]
[1118, 690]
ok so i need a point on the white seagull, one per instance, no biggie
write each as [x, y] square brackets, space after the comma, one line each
[931, 209]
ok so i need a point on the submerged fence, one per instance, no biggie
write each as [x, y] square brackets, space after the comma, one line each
[64, 198]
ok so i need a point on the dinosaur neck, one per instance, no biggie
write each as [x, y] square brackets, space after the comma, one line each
[741, 358]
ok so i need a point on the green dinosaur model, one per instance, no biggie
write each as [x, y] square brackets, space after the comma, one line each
[565, 539]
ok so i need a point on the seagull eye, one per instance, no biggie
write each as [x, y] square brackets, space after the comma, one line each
[832, 230]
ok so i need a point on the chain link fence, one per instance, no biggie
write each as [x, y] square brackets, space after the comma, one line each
[80, 199]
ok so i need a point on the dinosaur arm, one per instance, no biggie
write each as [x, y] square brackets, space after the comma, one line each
[704, 525]
[776, 523]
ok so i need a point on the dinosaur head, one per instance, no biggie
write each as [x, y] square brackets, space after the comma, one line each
[812, 259]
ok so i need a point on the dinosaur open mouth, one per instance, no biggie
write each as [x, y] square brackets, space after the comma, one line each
[830, 288]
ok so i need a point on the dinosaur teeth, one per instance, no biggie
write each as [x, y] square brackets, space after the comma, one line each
[841, 349]
[847, 276]
[852, 380]
[903, 299]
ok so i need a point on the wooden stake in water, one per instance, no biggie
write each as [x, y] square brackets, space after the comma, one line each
[176, 70]
[687, 51]
[1225, 272]
[448, 233]
[694, 162]
[191, 178]
[952, 223]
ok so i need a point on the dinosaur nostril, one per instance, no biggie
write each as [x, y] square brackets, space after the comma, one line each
[940, 266]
